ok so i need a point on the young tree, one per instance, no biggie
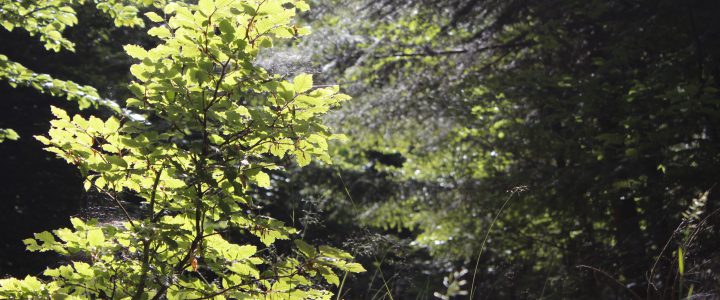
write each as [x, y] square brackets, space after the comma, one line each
[217, 123]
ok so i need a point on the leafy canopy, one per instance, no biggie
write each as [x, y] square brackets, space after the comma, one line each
[47, 19]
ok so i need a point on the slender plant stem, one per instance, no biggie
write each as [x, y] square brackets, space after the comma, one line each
[342, 283]
[482, 246]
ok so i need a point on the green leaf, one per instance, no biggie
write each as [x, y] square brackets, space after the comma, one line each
[303, 83]
[243, 252]
[139, 71]
[95, 237]
[83, 269]
[302, 158]
[47, 239]
[206, 7]
[135, 51]
[306, 249]
[334, 253]
[112, 125]
[265, 42]
[302, 5]
[354, 267]
[8, 134]
[96, 124]
[152, 16]
[313, 101]
[117, 160]
[160, 32]
[331, 278]
[303, 31]
[262, 179]
[31, 284]
[245, 269]
[59, 113]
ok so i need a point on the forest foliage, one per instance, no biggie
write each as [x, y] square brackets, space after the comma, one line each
[495, 149]
[214, 124]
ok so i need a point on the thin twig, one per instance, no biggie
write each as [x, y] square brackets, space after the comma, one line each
[117, 201]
